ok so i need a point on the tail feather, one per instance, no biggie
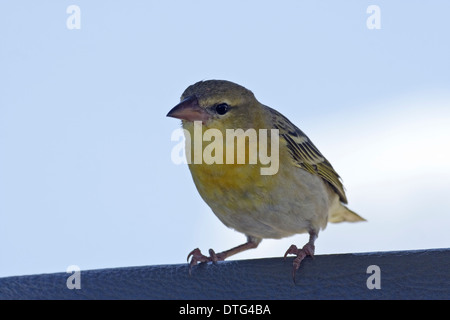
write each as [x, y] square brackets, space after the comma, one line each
[342, 213]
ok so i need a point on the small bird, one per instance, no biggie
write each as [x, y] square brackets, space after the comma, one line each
[301, 197]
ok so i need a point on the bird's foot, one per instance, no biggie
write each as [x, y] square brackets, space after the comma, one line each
[199, 257]
[307, 250]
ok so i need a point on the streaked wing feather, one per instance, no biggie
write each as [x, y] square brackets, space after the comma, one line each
[305, 154]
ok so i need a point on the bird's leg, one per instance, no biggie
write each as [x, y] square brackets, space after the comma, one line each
[197, 255]
[307, 250]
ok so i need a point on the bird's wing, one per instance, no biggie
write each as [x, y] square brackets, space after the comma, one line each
[305, 154]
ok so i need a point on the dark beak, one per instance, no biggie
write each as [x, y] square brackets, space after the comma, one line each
[189, 110]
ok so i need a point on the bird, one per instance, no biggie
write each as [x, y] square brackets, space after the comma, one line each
[301, 197]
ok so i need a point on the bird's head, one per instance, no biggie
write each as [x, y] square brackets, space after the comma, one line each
[218, 104]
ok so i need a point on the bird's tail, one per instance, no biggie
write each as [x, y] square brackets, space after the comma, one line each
[342, 213]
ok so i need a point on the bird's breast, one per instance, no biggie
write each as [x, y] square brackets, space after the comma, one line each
[223, 181]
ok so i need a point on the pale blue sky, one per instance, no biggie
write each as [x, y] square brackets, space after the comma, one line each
[86, 176]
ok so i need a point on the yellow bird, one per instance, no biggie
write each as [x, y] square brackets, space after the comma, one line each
[302, 196]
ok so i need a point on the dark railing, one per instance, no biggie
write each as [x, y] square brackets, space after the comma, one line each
[418, 274]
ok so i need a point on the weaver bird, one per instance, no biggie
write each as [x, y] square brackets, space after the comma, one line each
[303, 196]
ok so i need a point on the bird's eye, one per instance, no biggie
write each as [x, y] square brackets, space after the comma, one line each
[222, 108]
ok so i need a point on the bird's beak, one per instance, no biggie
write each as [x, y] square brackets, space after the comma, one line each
[189, 110]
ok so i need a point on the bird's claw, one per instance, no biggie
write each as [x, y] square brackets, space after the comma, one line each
[199, 257]
[213, 256]
[292, 250]
[307, 250]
